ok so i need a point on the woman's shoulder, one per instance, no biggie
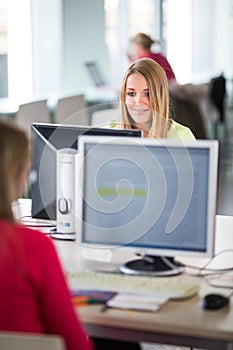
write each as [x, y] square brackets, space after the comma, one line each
[35, 237]
[31, 236]
[20, 235]
[180, 131]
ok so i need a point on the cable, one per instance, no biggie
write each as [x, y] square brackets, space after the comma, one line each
[214, 277]
[205, 268]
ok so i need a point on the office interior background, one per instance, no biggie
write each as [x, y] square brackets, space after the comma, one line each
[44, 46]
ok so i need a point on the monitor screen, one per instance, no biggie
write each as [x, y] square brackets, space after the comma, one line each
[46, 140]
[152, 197]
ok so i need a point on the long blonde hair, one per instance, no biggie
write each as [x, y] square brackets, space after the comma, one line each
[14, 153]
[159, 96]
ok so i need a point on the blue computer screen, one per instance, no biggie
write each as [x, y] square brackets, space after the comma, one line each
[148, 196]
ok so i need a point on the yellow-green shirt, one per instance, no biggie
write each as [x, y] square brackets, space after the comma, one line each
[176, 131]
[179, 131]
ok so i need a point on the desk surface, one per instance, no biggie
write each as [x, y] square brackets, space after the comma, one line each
[93, 96]
[179, 323]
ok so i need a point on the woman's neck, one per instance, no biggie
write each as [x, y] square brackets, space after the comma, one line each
[144, 128]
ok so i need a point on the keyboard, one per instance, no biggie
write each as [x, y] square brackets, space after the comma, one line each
[175, 287]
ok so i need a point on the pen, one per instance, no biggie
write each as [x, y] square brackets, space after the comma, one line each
[80, 298]
[104, 307]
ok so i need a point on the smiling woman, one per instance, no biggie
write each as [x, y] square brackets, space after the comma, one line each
[144, 101]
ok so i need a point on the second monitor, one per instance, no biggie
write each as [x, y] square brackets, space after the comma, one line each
[47, 139]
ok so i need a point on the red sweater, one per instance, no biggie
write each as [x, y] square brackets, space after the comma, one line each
[163, 62]
[34, 296]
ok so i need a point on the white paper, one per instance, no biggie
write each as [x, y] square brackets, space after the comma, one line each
[137, 302]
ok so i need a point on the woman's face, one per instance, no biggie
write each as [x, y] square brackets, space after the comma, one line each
[138, 101]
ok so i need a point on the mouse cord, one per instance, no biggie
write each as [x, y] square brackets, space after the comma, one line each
[206, 268]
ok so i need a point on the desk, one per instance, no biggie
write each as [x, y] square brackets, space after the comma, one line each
[8, 108]
[93, 97]
[179, 323]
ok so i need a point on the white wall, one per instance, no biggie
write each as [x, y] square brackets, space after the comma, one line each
[200, 39]
[20, 77]
[199, 44]
[47, 44]
[223, 53]
[179, 38]
[203, 39]
[212, 38]
[84, 40]
[65, 34]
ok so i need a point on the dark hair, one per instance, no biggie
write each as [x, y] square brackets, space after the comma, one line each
[143, 39]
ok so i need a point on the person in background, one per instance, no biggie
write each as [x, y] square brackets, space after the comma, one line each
[144, 101]
[34, 294]
[141, 46]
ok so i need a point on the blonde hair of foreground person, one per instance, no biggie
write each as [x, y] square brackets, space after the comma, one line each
[157, 100]
[14, 155]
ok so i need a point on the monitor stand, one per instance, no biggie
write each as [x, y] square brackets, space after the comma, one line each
[152, 265]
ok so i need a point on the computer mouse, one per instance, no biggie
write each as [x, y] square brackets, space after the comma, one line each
[214, 301]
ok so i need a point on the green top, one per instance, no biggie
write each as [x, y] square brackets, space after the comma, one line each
[180, 131]
[176, 131]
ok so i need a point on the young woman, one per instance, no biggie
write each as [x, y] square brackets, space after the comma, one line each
[144, 101]
[34, 294]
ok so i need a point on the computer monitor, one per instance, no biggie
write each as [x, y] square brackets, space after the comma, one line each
[94, 73]
[156, 198]
[46, 140]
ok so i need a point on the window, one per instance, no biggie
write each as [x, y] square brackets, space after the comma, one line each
[123, 19]
[15, 49]
[3, 49]
[177, 30]
[163, 20]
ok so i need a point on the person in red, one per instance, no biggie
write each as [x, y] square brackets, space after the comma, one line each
[34, 294]
[141, 47]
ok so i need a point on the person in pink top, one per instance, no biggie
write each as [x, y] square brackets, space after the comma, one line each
[34, 294]
[141, 46]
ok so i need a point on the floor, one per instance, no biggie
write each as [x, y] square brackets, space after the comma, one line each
[225, 189]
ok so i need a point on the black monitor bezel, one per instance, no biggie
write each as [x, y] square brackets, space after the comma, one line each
[42, 130]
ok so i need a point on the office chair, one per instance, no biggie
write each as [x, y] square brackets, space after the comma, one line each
[30, 341]
[217, 95]
[28, 113]
[72, 110]
[188, 113]
[104, 118]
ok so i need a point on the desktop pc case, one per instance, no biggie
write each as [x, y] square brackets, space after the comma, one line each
[66, 187]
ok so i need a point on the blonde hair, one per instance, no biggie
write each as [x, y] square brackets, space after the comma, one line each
[158, 93]
[14, 153]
